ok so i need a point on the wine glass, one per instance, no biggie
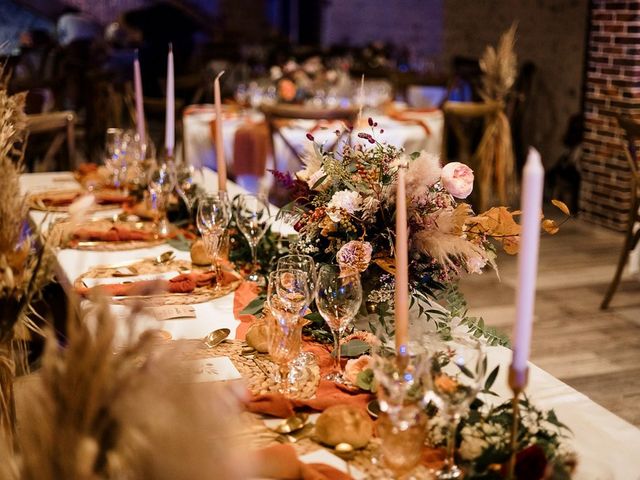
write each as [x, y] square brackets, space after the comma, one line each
[287, 296]
[252, 216]
[403, 388]
[188, 178]
[338, 298]
[161, 182]
[212, 220]
[457, 371]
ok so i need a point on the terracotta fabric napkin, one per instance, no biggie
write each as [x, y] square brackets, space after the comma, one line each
[328, 394]
[62, 199]
[117, 233]
[281, 462]
[87, 168]
[251, 146]
[242, 297]
[183, 283]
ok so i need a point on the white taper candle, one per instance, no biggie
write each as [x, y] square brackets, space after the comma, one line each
[531, 204]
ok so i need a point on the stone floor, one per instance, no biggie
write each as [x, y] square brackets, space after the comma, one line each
[595, 351]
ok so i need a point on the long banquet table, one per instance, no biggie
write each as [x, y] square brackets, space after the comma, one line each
[607, 446]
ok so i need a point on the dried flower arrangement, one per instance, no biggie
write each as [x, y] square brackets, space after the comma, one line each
[23, 261]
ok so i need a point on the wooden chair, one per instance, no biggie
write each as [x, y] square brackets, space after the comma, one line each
[62, 125]
[277, 116]
[632, 134]
[492, 159]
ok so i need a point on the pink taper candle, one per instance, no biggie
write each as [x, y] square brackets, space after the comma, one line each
[402, 263]
[531, 204]
[221, 162]
[137, 82]
[170, 124]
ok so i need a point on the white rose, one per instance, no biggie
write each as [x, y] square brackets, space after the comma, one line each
[346, 200]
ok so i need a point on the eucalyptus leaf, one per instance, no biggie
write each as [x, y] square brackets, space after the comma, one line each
[255, 306]
[354, 348]
[180, 243]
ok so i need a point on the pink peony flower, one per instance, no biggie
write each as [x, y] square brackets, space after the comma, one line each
[457, 178]
[356, 365]
[354, 256]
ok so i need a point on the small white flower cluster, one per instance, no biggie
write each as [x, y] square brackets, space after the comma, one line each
[384, 293]
[344, 201]
[437, 431]
[478, 437]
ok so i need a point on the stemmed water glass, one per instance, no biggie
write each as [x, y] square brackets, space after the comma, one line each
[457, 371]
[403, 388]
[162, 181]
[288, 295]
[252, 216]
[115, 155]
[300, 262]
[338, 298]
[212, 220]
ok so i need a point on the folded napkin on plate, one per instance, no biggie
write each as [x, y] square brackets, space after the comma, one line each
[87, 168]
[183, 283]
[328, 394]
[117, 233]
[281, 462]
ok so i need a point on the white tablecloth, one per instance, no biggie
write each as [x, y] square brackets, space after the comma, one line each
[199, 148]
[608, 447]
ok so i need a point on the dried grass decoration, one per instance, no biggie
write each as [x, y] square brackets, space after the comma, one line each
[493, 160]
[113, 404]
[23, 262]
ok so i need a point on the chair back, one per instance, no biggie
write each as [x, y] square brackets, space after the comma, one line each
[61, 125]
[277, 116]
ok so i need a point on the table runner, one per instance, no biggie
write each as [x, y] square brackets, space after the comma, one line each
[607, 445]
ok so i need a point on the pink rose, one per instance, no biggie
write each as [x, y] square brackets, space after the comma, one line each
[356, 365]
[457, 178]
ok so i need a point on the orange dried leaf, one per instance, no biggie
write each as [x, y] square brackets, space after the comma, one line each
[561, 206]
[550, 226]
[388, 264]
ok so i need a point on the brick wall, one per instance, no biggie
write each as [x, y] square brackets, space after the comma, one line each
[612, 87]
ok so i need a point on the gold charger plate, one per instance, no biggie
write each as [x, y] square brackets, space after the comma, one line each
[149, 266]
[35, 201]
[62, 233]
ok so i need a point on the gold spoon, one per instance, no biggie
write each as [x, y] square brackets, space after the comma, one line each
[216, 337]
[346, 452]
[292, 424]
[164, 257]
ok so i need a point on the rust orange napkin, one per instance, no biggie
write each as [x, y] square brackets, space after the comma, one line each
[282, 463]
[183, 283]
[117, 233]
[251, 145]
[242, 297]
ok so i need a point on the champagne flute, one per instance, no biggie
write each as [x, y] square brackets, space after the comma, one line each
[212, 220]
[162, 181]
[338, 298]
[287, 295]
[457, 371]
[252, 216]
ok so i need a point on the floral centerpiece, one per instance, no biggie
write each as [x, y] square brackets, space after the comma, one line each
[343, 208]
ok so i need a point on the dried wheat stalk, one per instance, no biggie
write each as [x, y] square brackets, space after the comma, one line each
[499, 67]
[93, 414]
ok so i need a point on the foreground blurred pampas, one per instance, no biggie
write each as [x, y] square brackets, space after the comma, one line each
[94, 414]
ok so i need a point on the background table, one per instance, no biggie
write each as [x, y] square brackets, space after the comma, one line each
[199, 148]
[607, 445]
